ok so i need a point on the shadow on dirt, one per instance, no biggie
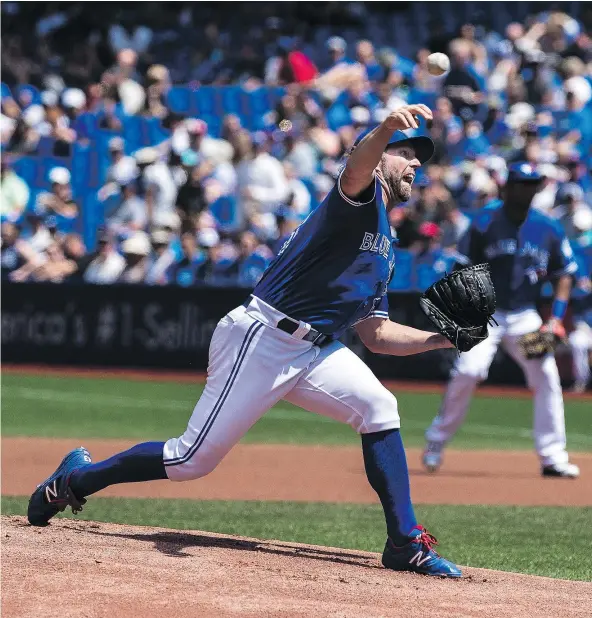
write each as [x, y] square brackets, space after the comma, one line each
[174, 544]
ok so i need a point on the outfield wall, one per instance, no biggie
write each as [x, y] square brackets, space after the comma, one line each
[171, 327]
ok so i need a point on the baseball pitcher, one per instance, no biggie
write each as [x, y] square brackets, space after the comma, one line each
[523, 248]
[282, 343]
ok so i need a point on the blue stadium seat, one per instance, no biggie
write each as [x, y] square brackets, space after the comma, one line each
[403, 279]
[258, 101]
[225, 211]
[205, 100]
[132, 132]
[231, 100]
[81, 169]
[86, 126]
[214, 124]
[179, 100]
[26, 168]
[156, 134]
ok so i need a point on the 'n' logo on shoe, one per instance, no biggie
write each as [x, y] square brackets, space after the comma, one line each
[51, 491]
[418, 558]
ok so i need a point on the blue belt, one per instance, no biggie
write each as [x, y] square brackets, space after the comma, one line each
[290, 326]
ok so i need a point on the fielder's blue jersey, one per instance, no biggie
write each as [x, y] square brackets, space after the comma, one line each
[334, 269]
[521, 258]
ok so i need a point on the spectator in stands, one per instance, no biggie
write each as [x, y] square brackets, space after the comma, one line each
[191, 198]
[59, 202]
[161, 259]
[460, 85]
[365, 56]
[301, 155]
[293, 66]
[13, 255]
[184, 271]
[157, 182]
[158, 83]
[453, 226]
[337, 51]
[74, 103]
[77, 258]
[14, 192]
[136, 250]
[131, 214]
[253, 259]
[299, 197]
[216, 150]
[123, 78]
[37, 232]
[261, 178]
[217, 269]
[570, 206]
[107, 265]
[123, 169]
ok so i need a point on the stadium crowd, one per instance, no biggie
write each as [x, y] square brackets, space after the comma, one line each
[211, 205]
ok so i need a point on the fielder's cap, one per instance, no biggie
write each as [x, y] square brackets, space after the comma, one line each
[59, 175]
[523, 172]
[423, 145]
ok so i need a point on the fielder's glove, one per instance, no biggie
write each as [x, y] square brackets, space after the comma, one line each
[461, 305]
[542, 341]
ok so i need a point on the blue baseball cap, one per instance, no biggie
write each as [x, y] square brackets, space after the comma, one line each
[423, 145]
[523, 172]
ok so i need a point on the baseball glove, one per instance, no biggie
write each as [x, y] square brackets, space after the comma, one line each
[541, 342]
[461, 305]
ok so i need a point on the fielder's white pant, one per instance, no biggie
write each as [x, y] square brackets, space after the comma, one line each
[541, 375]
[580, 342]
[252, 365]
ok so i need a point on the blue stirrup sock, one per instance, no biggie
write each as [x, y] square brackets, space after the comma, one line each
[143, 462]
[386, 468]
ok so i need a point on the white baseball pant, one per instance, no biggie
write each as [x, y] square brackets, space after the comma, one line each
[252, 365]
[580, 342]
[541, 375]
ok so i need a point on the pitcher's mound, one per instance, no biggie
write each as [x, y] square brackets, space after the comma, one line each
[76, 568]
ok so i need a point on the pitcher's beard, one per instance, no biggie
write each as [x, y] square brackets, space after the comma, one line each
[400, 191]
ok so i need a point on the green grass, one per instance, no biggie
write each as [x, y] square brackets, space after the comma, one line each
[537, 540]
[112, 408]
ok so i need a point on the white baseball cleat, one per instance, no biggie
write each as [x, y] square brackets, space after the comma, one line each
[562, 470]
[432, 456]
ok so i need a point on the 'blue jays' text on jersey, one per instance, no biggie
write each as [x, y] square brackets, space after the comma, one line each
[521, 258]
[334, 269]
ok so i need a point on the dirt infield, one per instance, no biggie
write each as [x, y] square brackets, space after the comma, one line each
[191, 377]
[318, 474]
[95, 570]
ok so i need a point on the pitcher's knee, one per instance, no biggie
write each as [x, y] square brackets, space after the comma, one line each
[378, 411]
[186, 464]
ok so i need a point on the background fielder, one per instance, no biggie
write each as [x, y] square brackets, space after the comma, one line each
[282, 344]
[523, 248]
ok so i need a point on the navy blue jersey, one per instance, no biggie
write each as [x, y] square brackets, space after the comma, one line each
[334, 269]
[521, 258]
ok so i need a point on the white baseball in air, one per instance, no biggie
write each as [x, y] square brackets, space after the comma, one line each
[438, 64]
